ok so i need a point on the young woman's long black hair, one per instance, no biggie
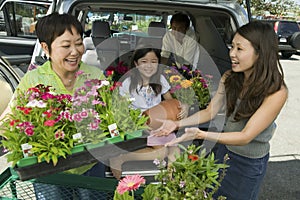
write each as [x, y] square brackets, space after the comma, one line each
[266, 77]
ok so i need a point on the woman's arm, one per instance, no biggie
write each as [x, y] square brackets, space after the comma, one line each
[217, 102]
[259, 121]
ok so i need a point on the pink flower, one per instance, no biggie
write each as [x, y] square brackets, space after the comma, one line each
[84, 114]
[76, 117]
[47, 96]
[49, 123]
[93, 126]
[79, 72]
[60, 134]
[66, 115]
[129, 183]
[29, 131]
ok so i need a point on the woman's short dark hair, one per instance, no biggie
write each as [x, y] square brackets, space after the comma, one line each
[50, 27]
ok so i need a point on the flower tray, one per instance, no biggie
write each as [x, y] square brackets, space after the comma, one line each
[29, 171]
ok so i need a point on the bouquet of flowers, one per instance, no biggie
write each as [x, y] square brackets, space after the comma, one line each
[194, 175]
[189, 87]
[40, 124]
[181, 88]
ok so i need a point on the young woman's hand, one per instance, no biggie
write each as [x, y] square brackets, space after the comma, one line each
[167, 127]
[184, 111]
[190, 134]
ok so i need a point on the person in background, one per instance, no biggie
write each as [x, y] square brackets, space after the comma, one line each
[146, 85]
[254, 92]
[60, 36]
[180, 44]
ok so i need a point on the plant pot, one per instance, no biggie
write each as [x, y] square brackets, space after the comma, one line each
[93, 146]
[113, 140]
[27, 161]
[167, 109]
[135, 134]
[78, 148]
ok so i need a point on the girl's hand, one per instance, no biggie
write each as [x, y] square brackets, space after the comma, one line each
[190, 134]
[167, 127]
[184, 111]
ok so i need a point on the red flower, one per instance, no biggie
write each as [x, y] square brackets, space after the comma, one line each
[12, 122]
[193, 157]
[47, 113]
[26, 111]
[129, 183]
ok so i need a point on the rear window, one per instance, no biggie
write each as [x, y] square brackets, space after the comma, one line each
[288, 27]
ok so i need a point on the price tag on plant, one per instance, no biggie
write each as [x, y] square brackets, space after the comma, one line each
[26, 150]
[113, 130]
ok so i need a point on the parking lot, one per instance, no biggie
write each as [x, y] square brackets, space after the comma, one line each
[281, 182]
[282, 177]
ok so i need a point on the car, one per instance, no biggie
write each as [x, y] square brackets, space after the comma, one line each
[214, 22]
[17, 36]
[9, 80]
[288, 33]
[129, 21]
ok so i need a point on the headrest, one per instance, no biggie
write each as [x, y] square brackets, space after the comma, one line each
[88, 43]
[156, 29]
[100, 29]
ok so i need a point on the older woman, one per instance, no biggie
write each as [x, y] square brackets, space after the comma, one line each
[60, 36]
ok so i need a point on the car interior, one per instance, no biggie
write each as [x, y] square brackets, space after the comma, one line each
[113, 32]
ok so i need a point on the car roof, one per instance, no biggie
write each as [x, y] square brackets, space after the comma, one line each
[155, 6]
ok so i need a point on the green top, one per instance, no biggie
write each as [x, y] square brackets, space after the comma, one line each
[258, 147]
[45, 75]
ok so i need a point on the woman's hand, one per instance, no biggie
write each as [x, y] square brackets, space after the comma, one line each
[184, 111]
[167, 127]
[190, 134]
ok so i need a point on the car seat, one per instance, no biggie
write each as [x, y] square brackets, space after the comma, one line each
[100, 46]
[156, 32]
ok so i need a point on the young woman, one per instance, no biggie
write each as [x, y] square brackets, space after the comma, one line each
[255, 92]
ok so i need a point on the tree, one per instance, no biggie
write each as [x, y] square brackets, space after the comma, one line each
[276, 8]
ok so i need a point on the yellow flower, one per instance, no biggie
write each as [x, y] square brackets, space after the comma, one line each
[168, 71]
[186, 83]
[175, 78]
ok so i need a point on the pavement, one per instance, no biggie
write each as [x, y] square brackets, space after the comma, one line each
[282, 179]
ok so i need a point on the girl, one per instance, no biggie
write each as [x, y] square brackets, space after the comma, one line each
[146, 85]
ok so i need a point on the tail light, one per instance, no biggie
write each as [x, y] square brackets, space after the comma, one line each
[276, 27]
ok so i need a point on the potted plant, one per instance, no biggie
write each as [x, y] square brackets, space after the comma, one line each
[194, 175]
[40, 124]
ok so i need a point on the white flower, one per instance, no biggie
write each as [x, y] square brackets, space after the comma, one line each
[35, 103]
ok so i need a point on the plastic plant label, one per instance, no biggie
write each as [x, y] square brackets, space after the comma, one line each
[113, 130]
[26, 150]
[78, 137]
